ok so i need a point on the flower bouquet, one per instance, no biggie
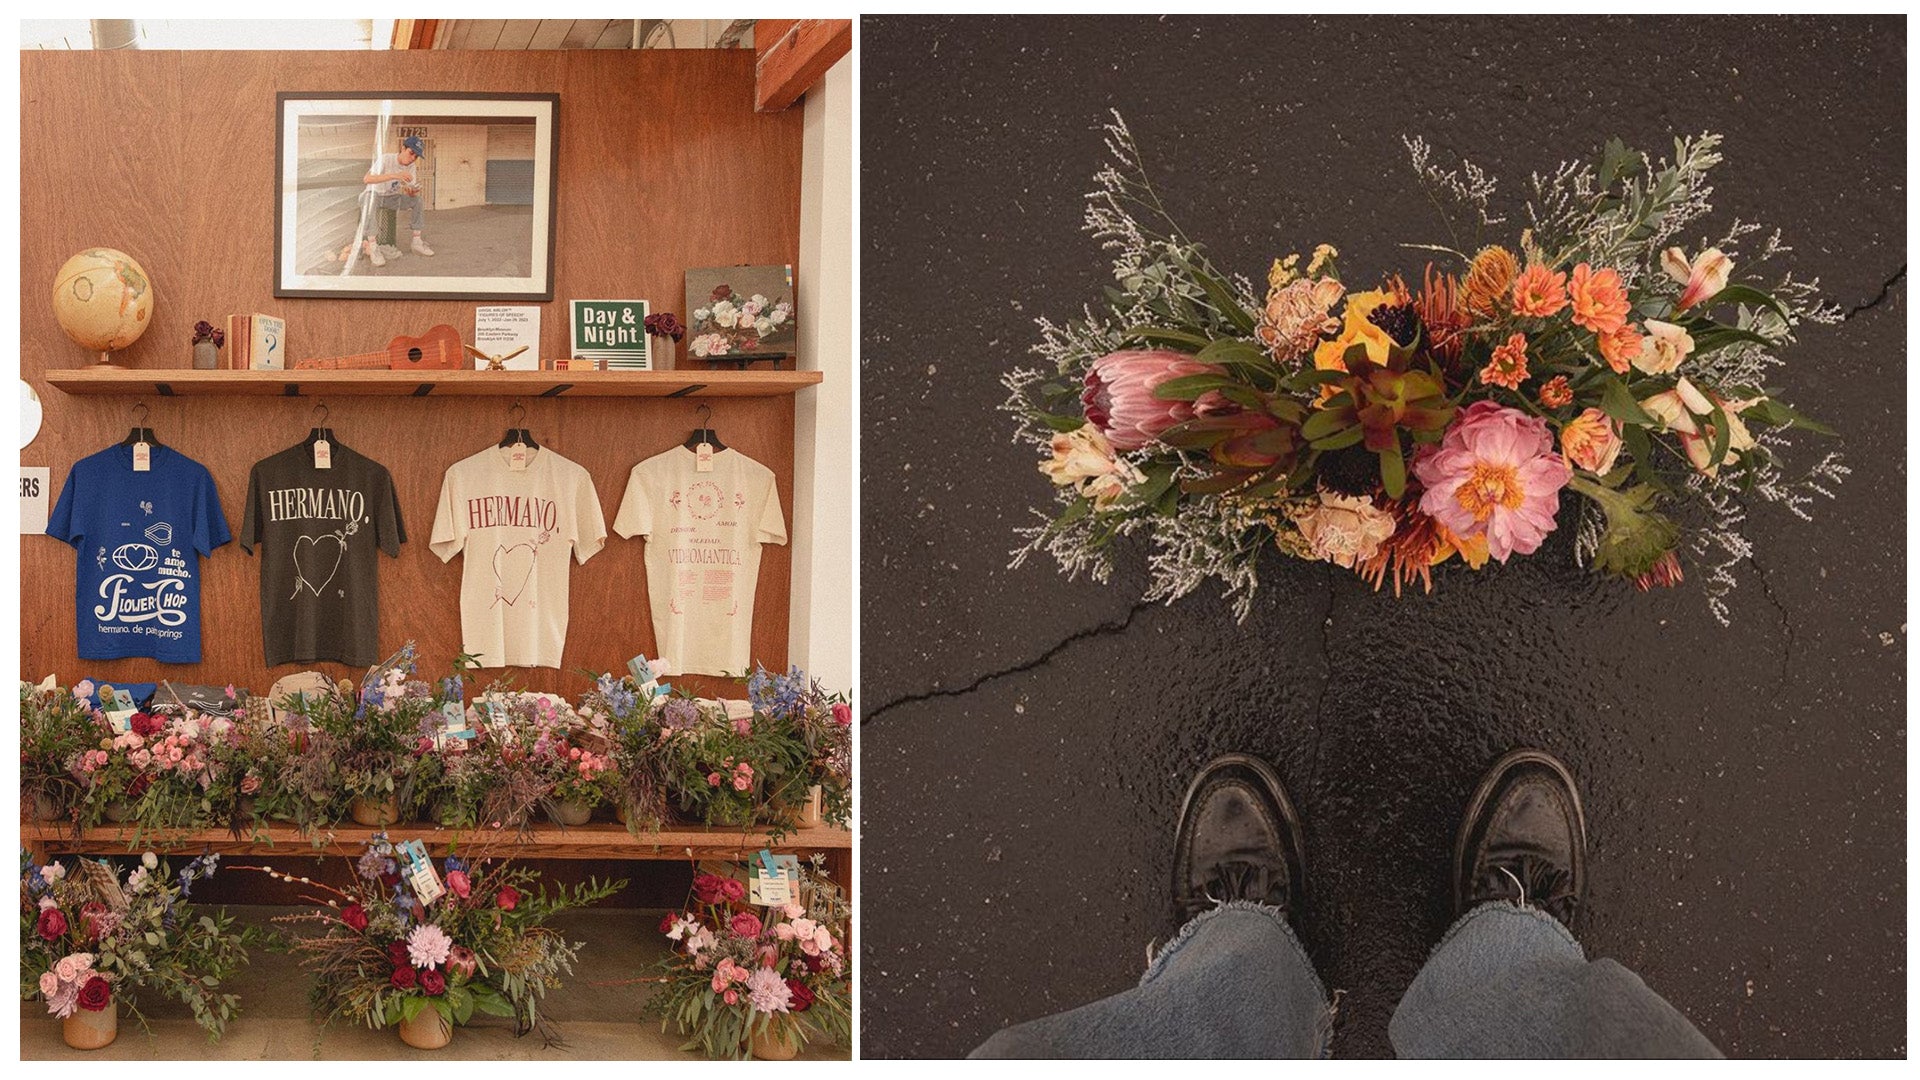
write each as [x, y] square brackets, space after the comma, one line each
[763, 981]
[385, 954]
[728, 323]
[90, 941]
[361, 746]
[822, 724]
[728, 770]
[642, 767]
[1594, 371]
[56, 726]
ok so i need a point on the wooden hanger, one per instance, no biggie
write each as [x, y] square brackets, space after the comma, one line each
[705, 433]
[518, 435]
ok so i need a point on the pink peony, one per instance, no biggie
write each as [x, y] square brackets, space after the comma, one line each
[1495, 475]
[1119, 395]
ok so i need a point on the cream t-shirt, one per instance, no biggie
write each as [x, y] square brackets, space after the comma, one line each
[516, 528]
[704, 531]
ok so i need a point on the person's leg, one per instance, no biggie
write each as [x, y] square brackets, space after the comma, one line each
[1235, 983]
[371, 245]
[416, 217]
[1509, 979]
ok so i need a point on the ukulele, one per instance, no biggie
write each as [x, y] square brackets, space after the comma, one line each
[439, 349]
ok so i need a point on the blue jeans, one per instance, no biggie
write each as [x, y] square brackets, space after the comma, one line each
[1506, 981]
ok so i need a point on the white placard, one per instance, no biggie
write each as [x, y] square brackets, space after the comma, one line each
[498, 331]
[34, 485]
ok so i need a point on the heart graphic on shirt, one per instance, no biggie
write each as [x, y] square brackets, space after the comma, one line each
[512, 566]
[315, 560]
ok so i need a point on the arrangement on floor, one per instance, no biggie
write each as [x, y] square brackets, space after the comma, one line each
[92, 941]
[409, 946]
[1389, 429]
[757, 979]
[399, 747]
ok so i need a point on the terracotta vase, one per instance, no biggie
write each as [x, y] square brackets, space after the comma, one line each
[375, 813]
[575, 812]
[428, 1030]
[91, 1030]
[777, 1043]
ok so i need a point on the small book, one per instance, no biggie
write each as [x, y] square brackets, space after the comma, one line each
[266, 343]
[239, 337]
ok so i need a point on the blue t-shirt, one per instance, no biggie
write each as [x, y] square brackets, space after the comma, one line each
[137, 582]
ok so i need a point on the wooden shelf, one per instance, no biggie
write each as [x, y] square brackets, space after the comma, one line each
[169, 382]
[595, 840]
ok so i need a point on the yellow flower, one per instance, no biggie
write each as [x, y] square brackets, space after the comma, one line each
[1356, 330]
[1322, 255]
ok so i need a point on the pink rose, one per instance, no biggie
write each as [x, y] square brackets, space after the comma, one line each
[719, 983]
[250, 785]
[459, 884]
[745, 923]
[732, 997]
[1119, 397]
[742, 783]
[713, 779]
[843, 714]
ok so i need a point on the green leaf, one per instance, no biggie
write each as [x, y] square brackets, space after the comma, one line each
[1393, 470]
[1779, 414]
[1188, 387]
[1221, 296]
[1340, 440]
[1712, 337]
[1065, 425]
[1743, 294]
[410, 1006]
[1722, 433]
[1232, 352]
[1161, 335]
[1616, 401]
[1324, 423]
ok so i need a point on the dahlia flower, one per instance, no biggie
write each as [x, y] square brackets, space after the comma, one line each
[767, 992]
[1298, 315]
[1344, 529]
[1495, 475]
[1621, 349]
[428, 946]
[1119, 397]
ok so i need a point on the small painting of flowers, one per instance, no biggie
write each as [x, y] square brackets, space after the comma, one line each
[741, 314]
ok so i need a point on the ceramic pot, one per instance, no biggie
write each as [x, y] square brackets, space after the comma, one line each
[810, 815]
[91, 1030]
[620, 812]
[119, 811]
[426, 1031]
[46, 807]
[778, 1043]
[575, 812]
[375, 813]
[206, 355]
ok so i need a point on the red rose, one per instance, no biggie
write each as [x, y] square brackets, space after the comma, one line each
[667, 921]
[708, 889]
[843, 714]
[145, 724]
[354, 916]
[733, 889]
[509, 898]
[721, 292]
[433, 982]
[814, 963]
[397, 954]
[139, 785]
[52, 924]
[745, 924]
[96, 994]
[404, 978]
[802, 997]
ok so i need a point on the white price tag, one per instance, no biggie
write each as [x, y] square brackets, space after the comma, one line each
[421, 876]
[322, 454]
[703, 458]
[517, 458]
[142, 457]
[775, 881]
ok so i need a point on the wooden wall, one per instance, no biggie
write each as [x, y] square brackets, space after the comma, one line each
[168, 156]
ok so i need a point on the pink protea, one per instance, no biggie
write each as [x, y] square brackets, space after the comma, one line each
[1495, 474]
[1119, 395]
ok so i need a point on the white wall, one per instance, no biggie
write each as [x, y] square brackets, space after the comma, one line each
[824, 483]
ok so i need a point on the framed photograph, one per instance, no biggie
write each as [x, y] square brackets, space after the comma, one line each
[415, 196]
[739, 314]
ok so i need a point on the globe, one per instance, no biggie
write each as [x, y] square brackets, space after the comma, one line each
[103, 299]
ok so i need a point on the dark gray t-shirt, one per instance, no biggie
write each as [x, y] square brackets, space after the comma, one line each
[319, 578]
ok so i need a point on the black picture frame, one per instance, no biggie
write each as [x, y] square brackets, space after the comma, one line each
[296, 273]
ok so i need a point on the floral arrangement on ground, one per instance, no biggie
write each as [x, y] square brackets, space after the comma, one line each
[92, 940]
[1390, 429]
[468, 936]
[757, 980]
[399, 747]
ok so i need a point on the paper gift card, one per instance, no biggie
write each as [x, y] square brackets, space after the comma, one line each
[421, 876]
[453, 726]
[118, 705]
[775, 881]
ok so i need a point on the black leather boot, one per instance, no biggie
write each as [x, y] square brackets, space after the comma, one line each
[1523, 839]
[1238, 839]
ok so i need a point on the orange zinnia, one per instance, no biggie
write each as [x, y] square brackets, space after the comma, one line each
[1599, 299]
[1620, 347]
[1539, 291]
[1508, 367]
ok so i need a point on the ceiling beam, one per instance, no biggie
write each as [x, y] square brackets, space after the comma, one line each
[414, 33]
[792, 55]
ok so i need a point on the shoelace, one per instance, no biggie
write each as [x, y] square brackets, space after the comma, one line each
[1239, 880]
[1533, 880]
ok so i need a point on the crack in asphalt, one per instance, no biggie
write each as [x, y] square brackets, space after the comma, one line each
[1885, 289]
[1786, 619]
[1103, 629]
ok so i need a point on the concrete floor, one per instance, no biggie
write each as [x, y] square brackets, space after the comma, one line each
[1026, 739]
[596, 1012]
[473, 241]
